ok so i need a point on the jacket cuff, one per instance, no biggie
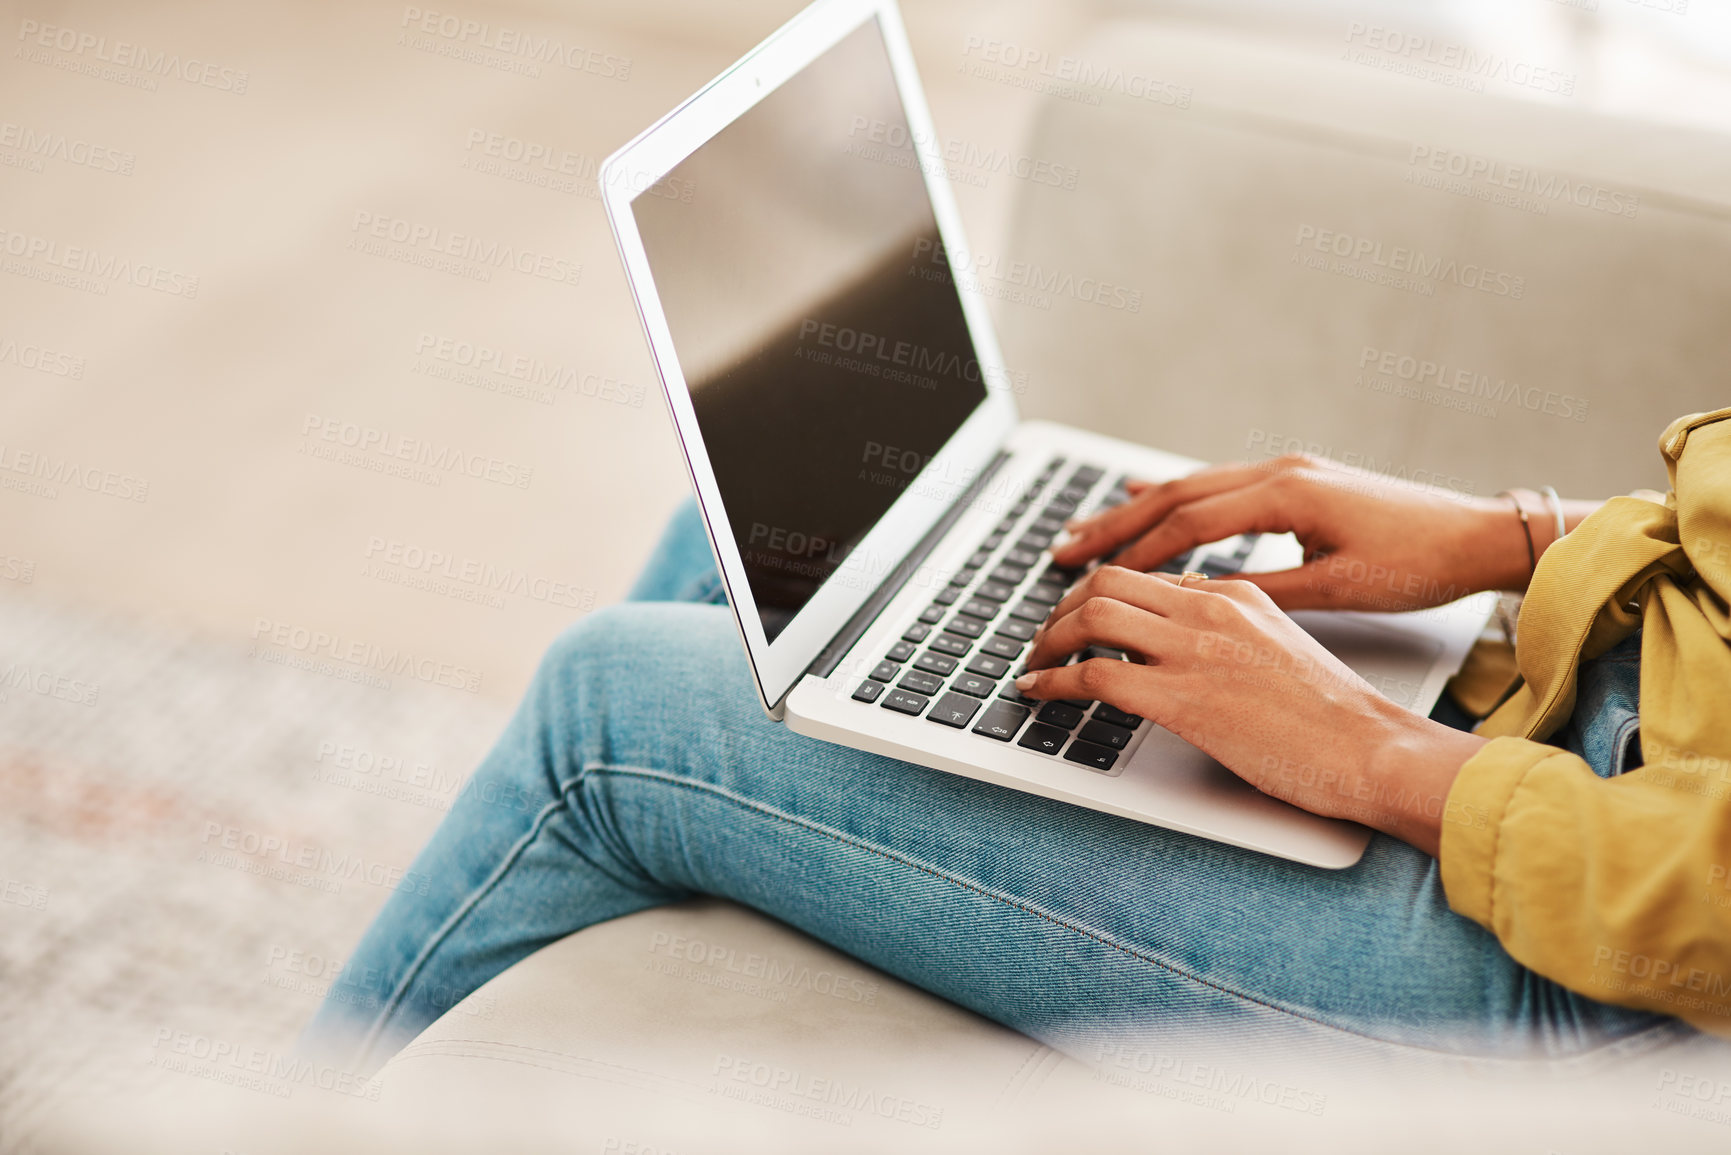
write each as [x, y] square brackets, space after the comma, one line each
[1473, 820]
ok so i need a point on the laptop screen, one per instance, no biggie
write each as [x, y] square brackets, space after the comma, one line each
[814, 316]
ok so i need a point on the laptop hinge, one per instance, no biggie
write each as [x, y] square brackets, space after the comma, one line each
[825, 663]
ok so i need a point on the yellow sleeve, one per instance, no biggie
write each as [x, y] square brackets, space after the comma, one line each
[1616, 888]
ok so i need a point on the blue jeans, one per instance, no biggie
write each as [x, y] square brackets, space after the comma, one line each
[640, 770]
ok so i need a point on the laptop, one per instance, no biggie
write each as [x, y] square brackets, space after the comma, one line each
[878, 511]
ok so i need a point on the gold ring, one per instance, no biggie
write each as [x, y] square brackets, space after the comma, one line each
[1192, 573]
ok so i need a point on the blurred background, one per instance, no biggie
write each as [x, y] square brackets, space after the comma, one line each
[324, 405]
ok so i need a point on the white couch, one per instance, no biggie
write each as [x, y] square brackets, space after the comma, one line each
[1236, 350]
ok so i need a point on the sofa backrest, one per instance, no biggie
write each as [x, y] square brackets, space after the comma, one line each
[1254, 249]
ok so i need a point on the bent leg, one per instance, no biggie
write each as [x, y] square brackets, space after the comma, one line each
[640, 768]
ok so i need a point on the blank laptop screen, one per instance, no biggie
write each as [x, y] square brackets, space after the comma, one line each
[813, 314]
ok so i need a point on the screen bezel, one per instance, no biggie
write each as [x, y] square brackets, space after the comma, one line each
[778, 665]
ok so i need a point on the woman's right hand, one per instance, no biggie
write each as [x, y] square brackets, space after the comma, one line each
[1370, 542]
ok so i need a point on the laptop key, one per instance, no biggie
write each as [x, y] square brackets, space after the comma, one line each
[1022, 557]
[1035, 539]
[868, 691]
[1113, 716]
[1048, 593]
[995, 591]
[1031, 611]
[1105, 734]
[1001, 647]
[922, 683]
[974, 686]
[954, 710]
[1016, 628]
[947, 595]
[980, 608]
[986, 666]
[1088, 754]
[1010, 575]
[932, 614]
[904, 703]
[1001, 720]
[1045, 739]
[950, 644]
[886, 672]
[1049, 525]
[917, 632]
[980, 558]
[1087, 475]
[900, 652]
[1010, 694]
[1059, 714]
[966, 626]
[937, 664]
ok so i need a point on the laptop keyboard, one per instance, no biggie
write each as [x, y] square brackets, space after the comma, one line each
[957, 662]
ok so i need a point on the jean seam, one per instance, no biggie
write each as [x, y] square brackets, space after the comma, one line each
[453, 921]
[1095, 936]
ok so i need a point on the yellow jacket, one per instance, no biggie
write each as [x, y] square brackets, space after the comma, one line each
[1618, 888]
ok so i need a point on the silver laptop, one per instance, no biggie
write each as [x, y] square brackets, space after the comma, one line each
[878, 511]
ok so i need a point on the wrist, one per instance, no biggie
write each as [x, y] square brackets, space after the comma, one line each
[1411, 763]
[1501, 544]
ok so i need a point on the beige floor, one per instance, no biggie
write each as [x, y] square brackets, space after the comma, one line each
[187, 412]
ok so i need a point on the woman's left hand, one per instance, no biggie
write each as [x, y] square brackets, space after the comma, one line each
[1221, 666]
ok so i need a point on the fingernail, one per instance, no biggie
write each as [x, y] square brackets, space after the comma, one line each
[1026, 681]
[1063, 541]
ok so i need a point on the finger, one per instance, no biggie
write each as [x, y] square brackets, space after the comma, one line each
[1260, 508]
[1143, 590]
[1126, 685]
[1092, 536]
[1099, 622]
[1303, 587]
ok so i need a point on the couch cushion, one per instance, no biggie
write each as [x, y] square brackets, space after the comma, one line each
[1234, 212]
